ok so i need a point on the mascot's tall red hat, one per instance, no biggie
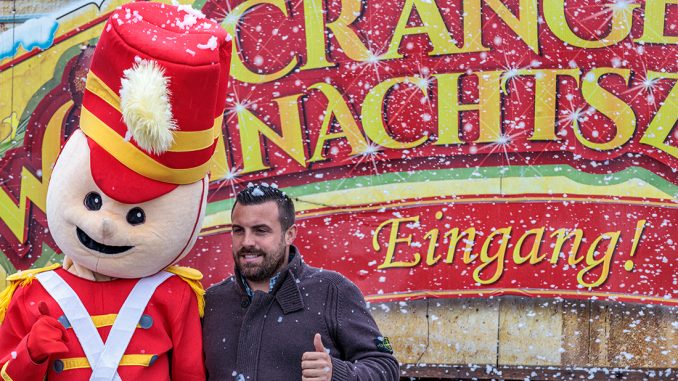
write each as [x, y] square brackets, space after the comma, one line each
[151, 111]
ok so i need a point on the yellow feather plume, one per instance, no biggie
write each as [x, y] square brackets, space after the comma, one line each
[146, 108]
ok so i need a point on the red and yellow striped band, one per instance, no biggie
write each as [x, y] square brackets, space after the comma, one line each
[126, 360]
[133, 157]
[184, 141]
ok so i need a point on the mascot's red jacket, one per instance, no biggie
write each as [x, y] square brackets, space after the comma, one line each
[170, 324]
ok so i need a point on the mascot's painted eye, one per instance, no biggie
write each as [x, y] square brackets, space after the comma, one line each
[136, 216]
[93, 201]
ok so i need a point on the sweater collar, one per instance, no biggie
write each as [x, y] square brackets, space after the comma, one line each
[288, 294]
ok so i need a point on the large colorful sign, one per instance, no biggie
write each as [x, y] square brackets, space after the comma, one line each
[453, 149]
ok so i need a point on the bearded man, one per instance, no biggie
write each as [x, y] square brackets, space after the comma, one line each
[277, 318]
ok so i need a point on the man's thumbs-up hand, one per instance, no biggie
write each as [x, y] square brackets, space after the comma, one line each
[316, 366]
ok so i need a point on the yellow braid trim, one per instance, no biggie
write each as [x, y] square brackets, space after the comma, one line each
[192, 277]
[16, 280]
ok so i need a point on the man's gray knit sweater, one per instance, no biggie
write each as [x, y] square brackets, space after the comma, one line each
[263, 337]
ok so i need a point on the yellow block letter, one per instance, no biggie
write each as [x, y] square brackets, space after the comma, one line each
[622, 18]
[526, 26]
[434, 27]
[655, 16]
[608, 104]
[337, 108]
[665, 118]
[489, 106]
[373, 116]
[316, 43]
[238, 69]
[290, 141]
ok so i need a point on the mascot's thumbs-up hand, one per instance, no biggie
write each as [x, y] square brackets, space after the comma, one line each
[47, 336]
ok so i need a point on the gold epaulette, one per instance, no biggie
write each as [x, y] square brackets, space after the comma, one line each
[16, 280]
[192, 277]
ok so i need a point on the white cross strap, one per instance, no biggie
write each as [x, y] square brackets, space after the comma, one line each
[75, 312]
[103, 359]
[125, 325]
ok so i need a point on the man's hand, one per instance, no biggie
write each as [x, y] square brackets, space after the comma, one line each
[47, 336]
[316, 366]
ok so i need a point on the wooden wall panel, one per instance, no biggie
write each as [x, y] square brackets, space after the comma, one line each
[641, 336]
[576, 335]
[462, 331]
[530, 331]
[513, 332]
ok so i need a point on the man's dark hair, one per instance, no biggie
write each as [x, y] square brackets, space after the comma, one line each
[259, 194]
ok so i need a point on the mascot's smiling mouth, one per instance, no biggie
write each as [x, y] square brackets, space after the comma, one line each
[100, 247]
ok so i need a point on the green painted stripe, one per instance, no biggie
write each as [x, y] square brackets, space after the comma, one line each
[490, 173]
[47, 257]
[7, 266]
[472, 174]
[218, 206]
[198, 4]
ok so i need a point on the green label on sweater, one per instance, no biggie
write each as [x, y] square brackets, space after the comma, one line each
[383, 344]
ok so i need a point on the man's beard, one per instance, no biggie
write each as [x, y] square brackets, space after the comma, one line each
[272, 262]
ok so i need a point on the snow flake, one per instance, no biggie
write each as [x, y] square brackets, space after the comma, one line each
[211, 44]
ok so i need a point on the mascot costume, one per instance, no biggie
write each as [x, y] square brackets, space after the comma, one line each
[125, 203]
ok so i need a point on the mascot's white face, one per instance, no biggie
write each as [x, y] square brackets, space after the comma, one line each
[115, 239]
